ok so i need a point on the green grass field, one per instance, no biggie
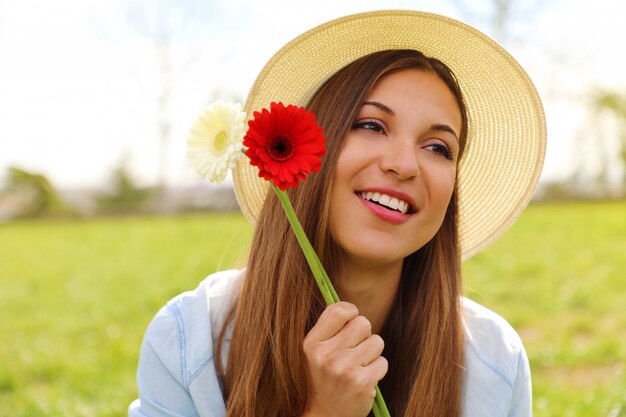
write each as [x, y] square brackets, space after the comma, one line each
[76, 297]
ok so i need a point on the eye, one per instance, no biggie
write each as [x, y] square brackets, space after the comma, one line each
[372, 125]
[441, 149]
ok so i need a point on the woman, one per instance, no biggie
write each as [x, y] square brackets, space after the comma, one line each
[392, 212]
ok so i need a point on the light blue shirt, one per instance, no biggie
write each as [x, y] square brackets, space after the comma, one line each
[177, 375]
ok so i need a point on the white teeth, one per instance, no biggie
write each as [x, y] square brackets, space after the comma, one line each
[386, 200]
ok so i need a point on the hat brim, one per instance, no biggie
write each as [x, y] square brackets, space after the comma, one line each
[506, 143]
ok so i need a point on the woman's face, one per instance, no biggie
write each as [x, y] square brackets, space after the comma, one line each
[396, 171]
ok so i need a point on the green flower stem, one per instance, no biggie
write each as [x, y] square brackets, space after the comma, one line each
[329, 284]
[321, 277]
[307, 249]
[379, 401]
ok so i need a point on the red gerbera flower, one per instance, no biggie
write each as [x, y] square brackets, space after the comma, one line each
[285, 144]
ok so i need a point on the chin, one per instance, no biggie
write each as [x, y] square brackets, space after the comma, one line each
[377, 256]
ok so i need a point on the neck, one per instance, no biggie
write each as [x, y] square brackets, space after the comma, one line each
[371, 289]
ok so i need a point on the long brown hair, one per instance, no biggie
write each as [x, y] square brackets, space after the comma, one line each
[266, 373]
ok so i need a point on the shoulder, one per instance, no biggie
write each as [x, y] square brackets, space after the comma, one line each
[491, 340]
[497, 376]
[183, 331]
[176, 373]
[488, 331]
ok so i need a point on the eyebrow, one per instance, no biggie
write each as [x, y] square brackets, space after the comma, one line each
[444, 128]
[435, 127]
[379, 105]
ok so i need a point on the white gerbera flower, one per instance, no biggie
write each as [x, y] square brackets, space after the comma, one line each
[216, 140]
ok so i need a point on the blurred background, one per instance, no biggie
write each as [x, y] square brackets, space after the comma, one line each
[97, 96]
[102, 221]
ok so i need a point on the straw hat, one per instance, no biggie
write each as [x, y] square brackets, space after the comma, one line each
[506, 137]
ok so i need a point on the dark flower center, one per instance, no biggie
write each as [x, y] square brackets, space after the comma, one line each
[280, 148]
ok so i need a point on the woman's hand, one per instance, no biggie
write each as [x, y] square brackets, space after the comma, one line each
[344, 363]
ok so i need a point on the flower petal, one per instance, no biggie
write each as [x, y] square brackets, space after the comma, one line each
[215, 140]
[289, 123]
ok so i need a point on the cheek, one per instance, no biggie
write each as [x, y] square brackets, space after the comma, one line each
[441, 188]
[337, 189]
[440, 192]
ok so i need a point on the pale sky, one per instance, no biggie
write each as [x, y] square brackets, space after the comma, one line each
[79, 79]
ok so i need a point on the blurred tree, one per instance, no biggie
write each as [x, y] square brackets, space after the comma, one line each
[125, 196]
[600, 146]
[31, 195]
[498, 15]
[615, 104]
[163, 22]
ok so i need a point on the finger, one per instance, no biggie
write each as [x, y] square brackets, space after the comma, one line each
[332, 320]
[377, 369]
[354, 332]
[369, 350]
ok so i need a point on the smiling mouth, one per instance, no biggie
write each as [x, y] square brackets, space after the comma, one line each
[387, 201]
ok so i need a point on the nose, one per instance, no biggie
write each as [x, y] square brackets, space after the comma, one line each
[400, 159]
